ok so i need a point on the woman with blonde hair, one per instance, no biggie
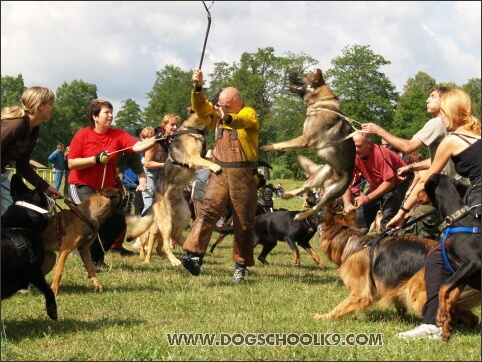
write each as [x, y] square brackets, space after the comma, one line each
[20, 131]
[155, 157]
[464, 147]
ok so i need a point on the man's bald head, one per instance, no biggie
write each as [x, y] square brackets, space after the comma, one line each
[231, 99]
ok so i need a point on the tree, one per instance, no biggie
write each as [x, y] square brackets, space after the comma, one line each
[411, 114]
[170, 94]
[366, 94]
[130, 115]
[12, 89]
[473, 89]
[70, 115]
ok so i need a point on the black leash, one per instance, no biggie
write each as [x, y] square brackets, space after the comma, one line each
[376, 239]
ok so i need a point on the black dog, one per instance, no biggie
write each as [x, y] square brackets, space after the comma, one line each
[22, 247]
[460, 242]
[281, 226]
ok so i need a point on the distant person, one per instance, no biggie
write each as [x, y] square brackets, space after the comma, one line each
[20, 131]
[155, 157]
[57, 160]
[67, 171]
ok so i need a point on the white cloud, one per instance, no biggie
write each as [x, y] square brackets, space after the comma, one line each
[119, 46]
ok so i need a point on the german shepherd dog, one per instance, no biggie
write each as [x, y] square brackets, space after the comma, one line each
[170, 213]
[327, 131]
[388, 269]
[460, 243]
[22, 247]
[77, 228]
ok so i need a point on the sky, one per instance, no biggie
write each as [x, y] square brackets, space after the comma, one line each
[120, 45]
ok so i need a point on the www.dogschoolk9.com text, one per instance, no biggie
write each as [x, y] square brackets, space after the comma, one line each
[274, 339]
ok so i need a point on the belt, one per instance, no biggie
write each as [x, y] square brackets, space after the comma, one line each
[239, 164]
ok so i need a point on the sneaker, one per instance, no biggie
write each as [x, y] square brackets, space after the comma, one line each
[122, 251]
[238, 276]
[429, 331]
[192, 264]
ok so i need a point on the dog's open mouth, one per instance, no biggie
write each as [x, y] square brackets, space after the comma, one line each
[295, 83]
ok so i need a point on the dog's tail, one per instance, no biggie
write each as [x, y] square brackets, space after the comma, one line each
[140, 224]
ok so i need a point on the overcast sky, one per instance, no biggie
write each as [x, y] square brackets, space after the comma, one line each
[120, 45]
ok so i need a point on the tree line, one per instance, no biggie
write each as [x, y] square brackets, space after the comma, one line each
[366, 95]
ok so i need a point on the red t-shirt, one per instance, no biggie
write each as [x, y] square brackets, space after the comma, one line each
[375, 169]
[88, 143]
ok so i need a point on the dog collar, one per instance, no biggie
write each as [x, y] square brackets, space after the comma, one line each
[31, 207]
[449, 220]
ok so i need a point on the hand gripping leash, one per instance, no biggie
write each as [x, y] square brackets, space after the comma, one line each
[207, 32]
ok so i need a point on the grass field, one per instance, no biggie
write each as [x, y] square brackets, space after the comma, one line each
[143, 306]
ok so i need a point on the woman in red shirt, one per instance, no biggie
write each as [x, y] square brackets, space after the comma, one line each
[92, 163]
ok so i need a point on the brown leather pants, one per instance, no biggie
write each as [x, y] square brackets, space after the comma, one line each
[238, 187]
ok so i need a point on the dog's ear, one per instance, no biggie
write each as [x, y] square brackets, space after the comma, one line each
[17, 187]
[423, 198]
[318, 78]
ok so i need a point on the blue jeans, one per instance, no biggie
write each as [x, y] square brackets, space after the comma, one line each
[5, 192]
[152, 176]
[58, 174]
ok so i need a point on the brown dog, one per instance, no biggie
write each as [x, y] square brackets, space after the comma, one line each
[170, 213]
[77, 229]
[387, 269]
[329, 132]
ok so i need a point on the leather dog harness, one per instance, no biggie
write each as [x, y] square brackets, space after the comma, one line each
[77, 212]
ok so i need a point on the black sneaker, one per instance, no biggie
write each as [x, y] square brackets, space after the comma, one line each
[238, 276]
[192, 264]
[122, 251]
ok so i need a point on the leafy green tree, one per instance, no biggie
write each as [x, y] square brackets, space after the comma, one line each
[130, 115]
[473, 89]
[171, 93]
[411, 114]
[12, 89]
[70, 115]
[365, 93]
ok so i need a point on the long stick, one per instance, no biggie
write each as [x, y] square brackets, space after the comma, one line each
[207, 33]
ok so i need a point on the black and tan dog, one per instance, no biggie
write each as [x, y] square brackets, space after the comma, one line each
[279, 226]
[22, 247]
[77, 228]
[461, 245]
[327, 131]
[387, 269]
[170, 213]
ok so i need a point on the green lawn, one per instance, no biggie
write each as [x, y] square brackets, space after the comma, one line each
[143, 306]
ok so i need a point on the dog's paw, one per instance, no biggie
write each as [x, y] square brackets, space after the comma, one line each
[175, 262]
[215, 168]
[288, 195]
[318, 317]
[267, 148]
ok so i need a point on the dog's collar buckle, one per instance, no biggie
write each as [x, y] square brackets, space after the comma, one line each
[449, 220]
